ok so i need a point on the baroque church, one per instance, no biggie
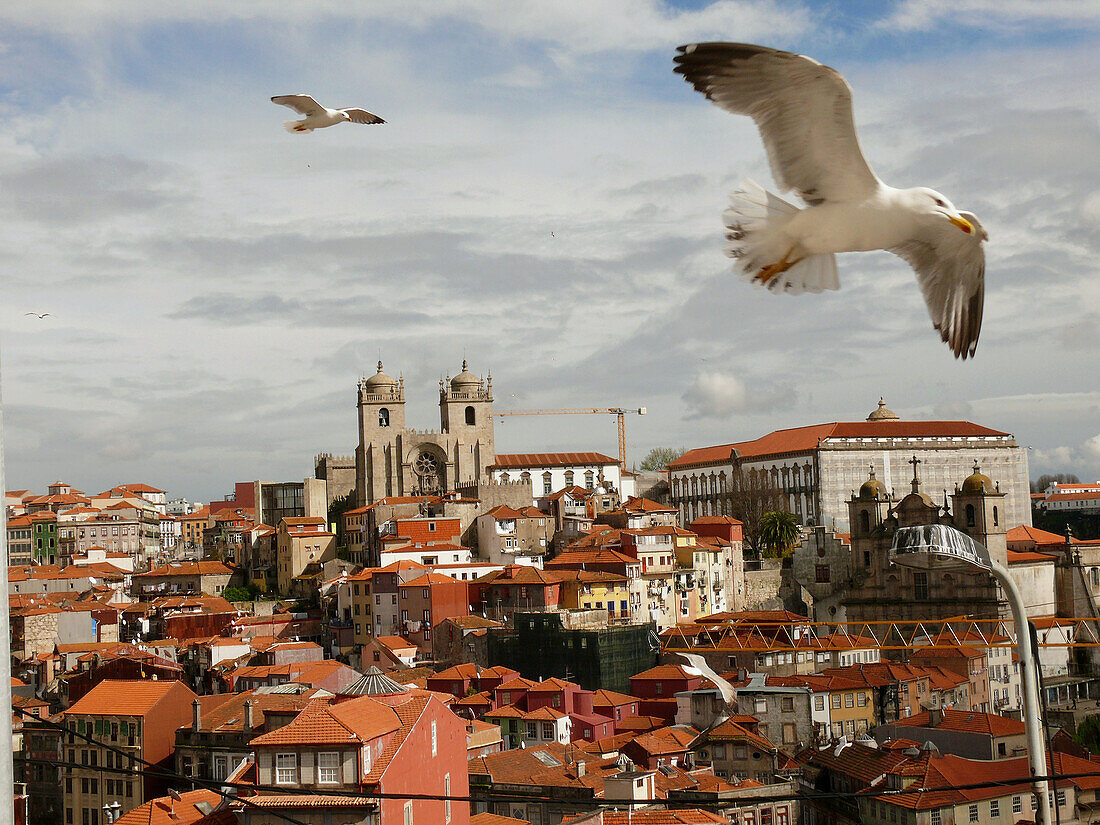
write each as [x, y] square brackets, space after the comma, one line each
[393, 460]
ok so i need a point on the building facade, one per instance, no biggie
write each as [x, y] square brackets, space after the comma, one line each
[394, 460]
[817, 467]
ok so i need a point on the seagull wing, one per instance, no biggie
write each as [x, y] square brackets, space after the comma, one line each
[302, 104]
[363, 116]
[729, 693]
[950, 267]
[802, 109]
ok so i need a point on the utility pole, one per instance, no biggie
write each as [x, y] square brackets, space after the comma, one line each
[7, 757]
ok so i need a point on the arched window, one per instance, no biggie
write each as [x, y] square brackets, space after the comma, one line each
[504, 477]
[796, 475]
[996, 521]
[1095, 574]
[547, 483]
[568, 478]
[589, 480]
[471, 416]
[864, 521]
[383, 417]
[970, 515]
[525, 476]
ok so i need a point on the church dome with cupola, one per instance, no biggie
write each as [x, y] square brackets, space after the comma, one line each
[380, 382]
[872, 488]
[465, 380]
[883, 413]
[978, 482]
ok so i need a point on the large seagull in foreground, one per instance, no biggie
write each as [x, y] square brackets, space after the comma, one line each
[804, 113]
[317, 116]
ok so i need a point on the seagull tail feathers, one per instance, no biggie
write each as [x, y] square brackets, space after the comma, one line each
[755, 240]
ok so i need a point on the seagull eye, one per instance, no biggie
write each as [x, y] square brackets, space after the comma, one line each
[939, 202]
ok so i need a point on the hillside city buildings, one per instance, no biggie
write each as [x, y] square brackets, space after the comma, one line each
[429, 631]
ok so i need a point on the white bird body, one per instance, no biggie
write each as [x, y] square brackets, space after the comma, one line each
[318, 117]
[804, 113]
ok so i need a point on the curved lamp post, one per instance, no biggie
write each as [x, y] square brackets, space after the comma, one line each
[939, 547]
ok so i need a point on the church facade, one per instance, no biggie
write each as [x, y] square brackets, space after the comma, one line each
[393, 460]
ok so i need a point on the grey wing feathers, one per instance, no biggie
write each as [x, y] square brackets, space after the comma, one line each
[802, 109]
[951, 273]
[728, 691]
[302, 104]
[363, 116]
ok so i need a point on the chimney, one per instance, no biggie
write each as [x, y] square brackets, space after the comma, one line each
[935, 716]
[248, 715]
[196, 715]
[580, 770]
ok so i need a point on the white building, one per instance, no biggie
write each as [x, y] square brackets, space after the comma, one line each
[548, 472]
[820, 466]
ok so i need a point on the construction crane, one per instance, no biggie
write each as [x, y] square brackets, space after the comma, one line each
[619, 412]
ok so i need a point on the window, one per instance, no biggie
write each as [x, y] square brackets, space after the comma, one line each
[789, 734]
[920, 585]
[823, 573]
[383, 417]
[434, 738]
[589, 480]
[819, 702]
[548, 730]
[996, 521]
[1017, 805]
[994, 808]
[547, 484]
[973, 813]
[286, 768]
[836, 700]
[408, 813]
[970, 515]
[471, 416]
[532, 730]
[760, 705]
[447, 794]
[787, 704]
[935, 817]
[1061, 797]
[328, 767]
[862, 697]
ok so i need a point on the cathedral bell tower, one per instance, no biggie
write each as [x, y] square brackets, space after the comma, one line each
[381, 404]
[466, 414]
[978, 507]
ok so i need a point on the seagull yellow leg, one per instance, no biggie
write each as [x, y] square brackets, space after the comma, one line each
[768, 273]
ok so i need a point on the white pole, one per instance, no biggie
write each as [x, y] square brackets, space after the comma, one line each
[7, 765]
[1033, 723]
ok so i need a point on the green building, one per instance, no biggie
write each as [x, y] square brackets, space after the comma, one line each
[576, 645]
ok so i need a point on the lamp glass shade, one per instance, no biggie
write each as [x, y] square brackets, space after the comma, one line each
[937, 547]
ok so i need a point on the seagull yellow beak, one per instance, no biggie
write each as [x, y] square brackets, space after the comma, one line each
[962, 223]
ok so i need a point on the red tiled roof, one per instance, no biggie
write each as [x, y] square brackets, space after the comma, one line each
[168, 811]
[968, 721]
[806, 439]
[125, 697]
[189, 568]
[517, 461]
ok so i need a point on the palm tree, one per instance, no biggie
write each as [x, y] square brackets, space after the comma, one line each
[778, 532]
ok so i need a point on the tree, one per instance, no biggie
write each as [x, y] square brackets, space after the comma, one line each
[778, 533]
[1088, 732]
[1042, 482]
[659, 458]
[750, 497]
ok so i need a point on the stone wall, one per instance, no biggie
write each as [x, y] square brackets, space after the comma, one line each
[762, 586]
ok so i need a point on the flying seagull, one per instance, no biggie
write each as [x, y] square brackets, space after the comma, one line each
[804, 113]
[38, 315]
[317, 116]
[697, 666]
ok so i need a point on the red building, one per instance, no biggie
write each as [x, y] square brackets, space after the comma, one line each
[719, 527]
[517, 587]
[404, 743]
[458, 680]
[426, 601]
[657, 689]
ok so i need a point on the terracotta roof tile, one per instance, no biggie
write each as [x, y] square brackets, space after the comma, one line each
[510, 461]
[126, 697]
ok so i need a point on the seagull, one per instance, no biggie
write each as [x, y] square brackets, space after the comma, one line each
[39, 315]
[698, 667]
[317, 116]
[804, 113]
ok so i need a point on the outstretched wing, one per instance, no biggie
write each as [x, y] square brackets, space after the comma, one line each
[363, 116]
[950, 267]
[802, 109]
[302, 104]
[729, 693]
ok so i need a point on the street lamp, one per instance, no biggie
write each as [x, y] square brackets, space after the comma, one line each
[939, 547]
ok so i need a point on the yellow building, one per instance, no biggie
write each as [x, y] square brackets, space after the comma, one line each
[590, 589]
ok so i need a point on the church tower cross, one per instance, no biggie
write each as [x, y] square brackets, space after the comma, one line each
[916, 480]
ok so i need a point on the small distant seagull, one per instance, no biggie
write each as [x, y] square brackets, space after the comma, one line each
[39, 315]
[552, 235]
[317, 116]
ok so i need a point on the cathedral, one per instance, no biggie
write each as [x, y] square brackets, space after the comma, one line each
[392, 460]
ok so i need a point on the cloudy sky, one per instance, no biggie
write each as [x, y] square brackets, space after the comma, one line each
[544, 201]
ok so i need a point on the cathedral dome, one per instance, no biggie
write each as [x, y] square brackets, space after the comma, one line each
[977, 483]
[380, 382]
[883, 413]
[872, 488]
[465, 380]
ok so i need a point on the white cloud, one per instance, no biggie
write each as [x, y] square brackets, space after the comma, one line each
[720, 395]
[913, 15]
